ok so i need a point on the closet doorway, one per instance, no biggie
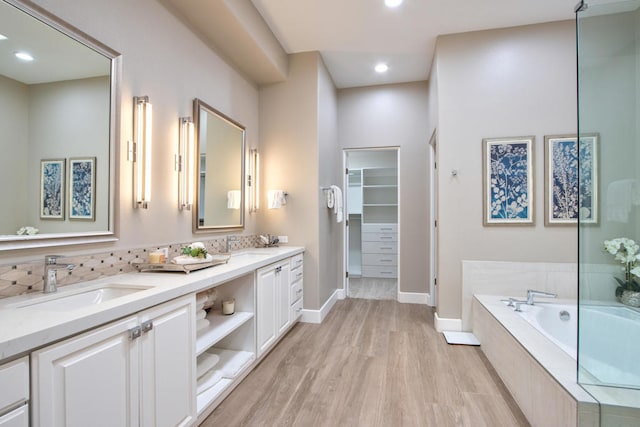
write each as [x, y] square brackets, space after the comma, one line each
[371, 237]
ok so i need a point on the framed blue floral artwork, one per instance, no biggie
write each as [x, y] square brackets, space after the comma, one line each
[571, 179]
[52, 173]
[508, 181]
[82, 188]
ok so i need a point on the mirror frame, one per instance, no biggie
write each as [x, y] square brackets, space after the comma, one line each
[198, 106]
[71, 238]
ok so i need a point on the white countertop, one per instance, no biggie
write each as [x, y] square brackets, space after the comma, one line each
[24, 329]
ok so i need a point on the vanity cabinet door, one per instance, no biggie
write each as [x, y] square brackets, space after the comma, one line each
[89, 380]
[266, 310]
[282, 295]
[167, 355]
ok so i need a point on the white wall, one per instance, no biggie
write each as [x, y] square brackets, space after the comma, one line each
[161, 58]
[397, 116]
[498, 83]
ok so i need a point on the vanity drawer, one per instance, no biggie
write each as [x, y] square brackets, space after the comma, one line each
[295, 275]
[390, 272]
[379, 237]
[296, 310]
[296, 291]
[296, 261]
[379, 259]
[14, 377]
[379, 247]
[379, 228]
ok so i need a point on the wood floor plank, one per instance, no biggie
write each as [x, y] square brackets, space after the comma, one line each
[370, 363]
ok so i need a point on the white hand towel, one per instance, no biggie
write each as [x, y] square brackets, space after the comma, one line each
[208, 380]
[233, 199]
[206, 362]
[232, 362]
[276, 199]
[201, 324]
[337, 195]
[186, 259]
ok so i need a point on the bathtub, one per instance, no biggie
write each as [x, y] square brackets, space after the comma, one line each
[610, 336]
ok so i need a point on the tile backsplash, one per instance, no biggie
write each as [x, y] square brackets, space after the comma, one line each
[27, 277]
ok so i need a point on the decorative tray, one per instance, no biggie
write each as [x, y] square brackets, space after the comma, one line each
[183, 268]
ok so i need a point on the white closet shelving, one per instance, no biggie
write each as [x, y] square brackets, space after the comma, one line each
[380, 195]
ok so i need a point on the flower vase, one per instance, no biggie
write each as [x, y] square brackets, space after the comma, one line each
[630, 298]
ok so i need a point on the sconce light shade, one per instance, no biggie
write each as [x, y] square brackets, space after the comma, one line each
[142, 120]
[253, 180]
[184, 164]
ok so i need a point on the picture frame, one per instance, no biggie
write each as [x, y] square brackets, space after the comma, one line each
[571, 186]
[52, 175]
[508, 181]
[82, 188]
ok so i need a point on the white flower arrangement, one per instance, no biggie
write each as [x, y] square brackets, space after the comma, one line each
[27, 230]
[627, 252]
[195, 250]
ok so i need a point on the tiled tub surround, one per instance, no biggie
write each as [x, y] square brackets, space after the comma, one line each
[25, 329]
[27, 277]
[540, 375]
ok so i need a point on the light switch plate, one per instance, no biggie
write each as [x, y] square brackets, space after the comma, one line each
[283, 239]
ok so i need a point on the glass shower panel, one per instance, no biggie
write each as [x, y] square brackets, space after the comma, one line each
[608, 37]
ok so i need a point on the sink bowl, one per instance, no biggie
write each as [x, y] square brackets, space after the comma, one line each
[243, 255]
[82, 298]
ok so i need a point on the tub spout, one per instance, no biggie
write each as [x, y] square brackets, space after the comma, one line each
[531, 293]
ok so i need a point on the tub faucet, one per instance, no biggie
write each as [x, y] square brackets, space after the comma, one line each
[531, 293]
[51, 268]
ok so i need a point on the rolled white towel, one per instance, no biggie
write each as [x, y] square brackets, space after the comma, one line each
[206, 362]
[201, 298]
[232, 362]
[208, 380]
[201, 324]
[201, 314]
[186, 259]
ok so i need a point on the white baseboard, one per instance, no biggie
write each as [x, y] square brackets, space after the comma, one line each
[317, 316]
[442, 324]
[341, 294]
[414, 298]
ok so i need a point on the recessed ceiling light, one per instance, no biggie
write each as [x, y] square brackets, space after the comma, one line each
[3, 37]
[381, 68]
[24, 56]
[392, 3]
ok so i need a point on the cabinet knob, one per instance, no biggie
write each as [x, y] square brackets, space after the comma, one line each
[135, 333]
[147, 326]
[299, 291]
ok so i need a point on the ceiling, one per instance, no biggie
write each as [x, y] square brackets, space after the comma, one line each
[353, 35]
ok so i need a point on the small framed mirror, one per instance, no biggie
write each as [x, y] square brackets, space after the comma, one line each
[220, 172]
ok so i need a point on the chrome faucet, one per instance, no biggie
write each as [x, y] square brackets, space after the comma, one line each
[531, 293]
[51, 268]
[231, 239]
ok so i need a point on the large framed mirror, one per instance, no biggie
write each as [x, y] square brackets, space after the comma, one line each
[58, 127]
[220, 172]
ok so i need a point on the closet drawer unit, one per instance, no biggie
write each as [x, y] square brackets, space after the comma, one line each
[379, 228]
[379, 259]
[390, 272]
[380, 247]
[379, 237]
[296, 310]
[14, 377]
[296, 292]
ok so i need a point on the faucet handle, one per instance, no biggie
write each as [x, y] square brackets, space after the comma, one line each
[51, 259]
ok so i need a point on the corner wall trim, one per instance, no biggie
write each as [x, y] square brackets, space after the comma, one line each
[442, 324]
[341, 294]
[414, 298]
[317, 316]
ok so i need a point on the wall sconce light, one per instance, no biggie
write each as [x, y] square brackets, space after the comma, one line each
[277, 198]
[142, 151]
[184, 163]
[253, 180]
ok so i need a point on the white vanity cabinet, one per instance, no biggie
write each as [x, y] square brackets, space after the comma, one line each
[274, 289]
[135, 371]
[14, 393]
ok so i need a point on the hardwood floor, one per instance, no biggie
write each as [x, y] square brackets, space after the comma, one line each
[370, 363]
[373, 288]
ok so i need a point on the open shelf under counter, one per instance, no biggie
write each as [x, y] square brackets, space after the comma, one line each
[220, 325]
[206, 397]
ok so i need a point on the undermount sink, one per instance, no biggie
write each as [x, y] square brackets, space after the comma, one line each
[80, 299]
[249, 255]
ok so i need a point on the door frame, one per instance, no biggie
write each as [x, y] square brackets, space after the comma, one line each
[433, 209]
[345, 185]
